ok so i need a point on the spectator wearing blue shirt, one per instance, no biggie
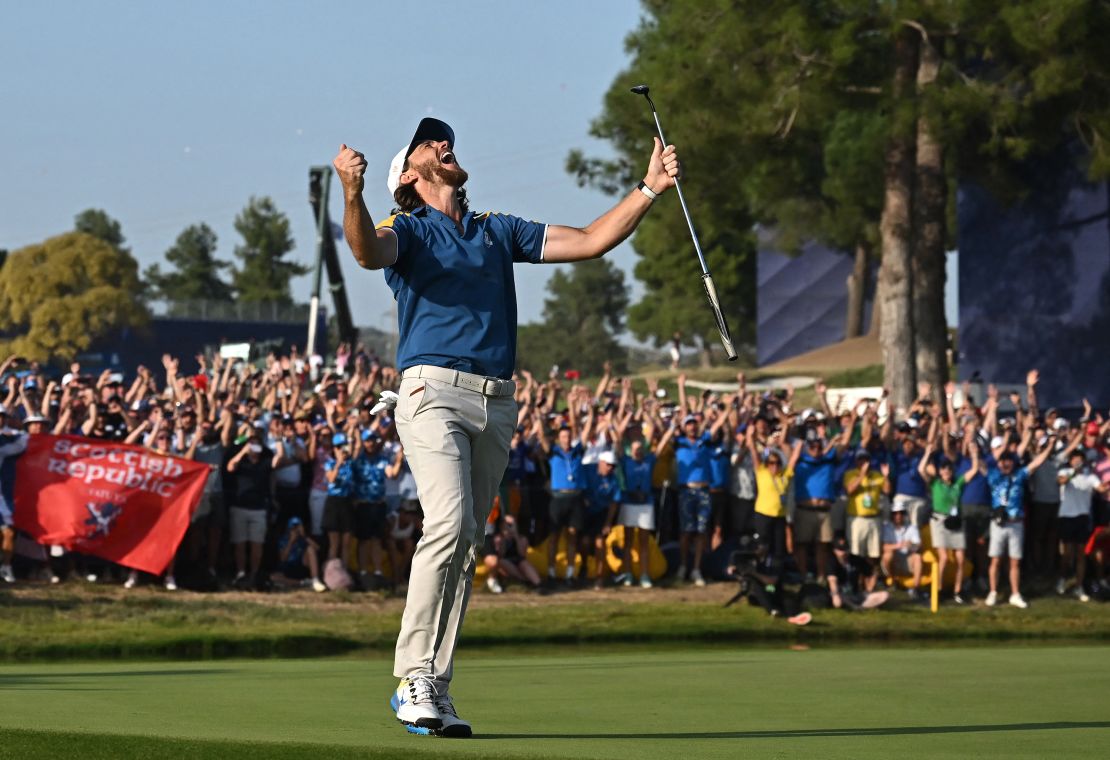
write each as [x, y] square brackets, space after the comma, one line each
[568, 483]
[603, 499]
[815, 489]
[637, 511]
[12, 444]
[298, 556]
[1007, 483]
[692, 459]
[910, 489]
[720, 453]
[451, 271]
[338, 521]
[370, 469]
[975, 509]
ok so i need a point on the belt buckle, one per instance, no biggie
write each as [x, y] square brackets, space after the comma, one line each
[491, 386]
[467, 382]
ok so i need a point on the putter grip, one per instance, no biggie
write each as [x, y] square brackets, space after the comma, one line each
[722, 325]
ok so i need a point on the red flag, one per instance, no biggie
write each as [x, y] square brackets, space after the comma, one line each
[124, 503]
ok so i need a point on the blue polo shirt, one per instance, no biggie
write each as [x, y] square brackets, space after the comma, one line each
[601, 491]
[637, 477]
[907, 480]
[456, 297]
[719, 456]
[814, 477]
[977, 490]
[692, 458]
[567, 472]
[369, 476]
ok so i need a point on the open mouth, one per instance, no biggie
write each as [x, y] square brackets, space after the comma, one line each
[447, 157]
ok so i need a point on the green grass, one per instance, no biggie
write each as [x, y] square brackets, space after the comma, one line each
[858, 703]
[80, 622]
[105, 622]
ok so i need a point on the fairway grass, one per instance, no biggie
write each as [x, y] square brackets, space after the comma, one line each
[1002, 701]
[107, 622]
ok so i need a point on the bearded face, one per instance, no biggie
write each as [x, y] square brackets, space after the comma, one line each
[434, 171]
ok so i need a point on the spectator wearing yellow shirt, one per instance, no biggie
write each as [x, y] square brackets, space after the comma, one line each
[772, 486]
[865, 487]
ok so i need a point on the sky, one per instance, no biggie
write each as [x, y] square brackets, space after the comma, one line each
[167, 114]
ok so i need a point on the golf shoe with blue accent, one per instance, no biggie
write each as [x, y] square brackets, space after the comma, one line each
[414, 702]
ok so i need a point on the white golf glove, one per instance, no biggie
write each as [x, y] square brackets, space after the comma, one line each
[387, 400]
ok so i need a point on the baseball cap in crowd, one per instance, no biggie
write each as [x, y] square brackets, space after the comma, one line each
[997, 441]
[35, 418]
[1092, 428]
[293, 523]
[898, 506]
[339, 439]
[688, 419]
[608, 457]
[286, 419]
[862, 454]
[427, 129]
[1059, 424]
[369, 435]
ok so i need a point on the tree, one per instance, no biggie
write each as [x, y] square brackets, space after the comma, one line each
[767, 135]
[821, 120]
[97, 223]
[581, 317]
[265, 274]
[59, 296]
[197, 270]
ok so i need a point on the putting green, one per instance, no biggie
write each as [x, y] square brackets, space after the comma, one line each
[1004, 701]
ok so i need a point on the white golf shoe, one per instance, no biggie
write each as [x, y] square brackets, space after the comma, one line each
[415, 705]
[453, 726]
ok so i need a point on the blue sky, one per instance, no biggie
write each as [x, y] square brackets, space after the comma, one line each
[167, 114]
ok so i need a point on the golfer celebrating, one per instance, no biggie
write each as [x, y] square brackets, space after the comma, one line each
[451, 272]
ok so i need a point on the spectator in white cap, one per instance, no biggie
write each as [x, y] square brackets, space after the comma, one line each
[902, 548]
[1078, 484]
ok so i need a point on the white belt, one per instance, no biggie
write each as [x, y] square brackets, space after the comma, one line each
[487, 386]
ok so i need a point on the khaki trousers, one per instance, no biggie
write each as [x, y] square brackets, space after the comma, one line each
[457, 444]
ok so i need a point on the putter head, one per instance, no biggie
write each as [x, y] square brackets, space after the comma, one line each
[640, 89]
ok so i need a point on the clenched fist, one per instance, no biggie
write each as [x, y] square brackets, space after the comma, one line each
[663, 168]
[350, 165]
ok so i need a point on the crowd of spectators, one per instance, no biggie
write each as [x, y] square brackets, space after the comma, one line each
[308, 480]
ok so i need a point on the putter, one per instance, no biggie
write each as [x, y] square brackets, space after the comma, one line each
[706, 277]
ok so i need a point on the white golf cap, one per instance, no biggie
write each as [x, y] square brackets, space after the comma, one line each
[427, 129]
[608, 457]
[997, 441]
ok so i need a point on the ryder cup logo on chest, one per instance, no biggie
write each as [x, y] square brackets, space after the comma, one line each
[487, 239]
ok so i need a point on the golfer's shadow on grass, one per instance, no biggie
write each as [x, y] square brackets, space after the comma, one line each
[806, 733]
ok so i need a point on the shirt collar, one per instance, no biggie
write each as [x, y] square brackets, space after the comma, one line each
[434, 213]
